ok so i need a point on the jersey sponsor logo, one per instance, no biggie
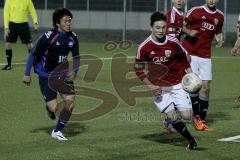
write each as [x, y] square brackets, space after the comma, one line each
[70, 44]
[160, 60]
[48, 34]
[62, 59]
[207, 26]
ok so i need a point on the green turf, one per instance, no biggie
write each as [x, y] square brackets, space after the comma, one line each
[124, 133]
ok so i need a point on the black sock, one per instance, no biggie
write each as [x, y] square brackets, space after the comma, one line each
[203, 102]
[9, 56]
[195, 104]
[60, 125]
[182, 129]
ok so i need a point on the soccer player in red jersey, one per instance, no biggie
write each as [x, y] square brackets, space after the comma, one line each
[167, 64]
[175, 18]
[236, 48]
[207, 20]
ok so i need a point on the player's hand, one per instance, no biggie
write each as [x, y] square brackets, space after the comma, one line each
[35, 27]
[27, 80]
[220, 44]
[233, 51]
[6, 32]
[193, 33]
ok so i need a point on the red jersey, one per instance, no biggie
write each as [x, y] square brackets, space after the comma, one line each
[174, 22]
[166, 61]
[207, 23]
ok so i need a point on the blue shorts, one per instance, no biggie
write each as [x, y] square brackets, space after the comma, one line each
[53, 85]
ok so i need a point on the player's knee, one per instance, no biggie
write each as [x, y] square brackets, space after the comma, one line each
[52, 107]
[205, 88]
[186, 115]
[172, 115]
[8, 45]
[68, 104]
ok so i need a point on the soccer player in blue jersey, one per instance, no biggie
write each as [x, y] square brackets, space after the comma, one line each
[48, 58]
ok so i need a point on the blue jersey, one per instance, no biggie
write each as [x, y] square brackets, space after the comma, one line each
[52, 50]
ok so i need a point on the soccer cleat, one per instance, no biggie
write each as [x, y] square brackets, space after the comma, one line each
[198, 123]
[51, 114]
[7, 67]
[192, 144]
[58, 136]
[206, 127]
[168, 126]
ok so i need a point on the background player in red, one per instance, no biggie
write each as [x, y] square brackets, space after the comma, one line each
[167, 61]
[175, 21]
[208, 21]
[175, 18]
[236, 48]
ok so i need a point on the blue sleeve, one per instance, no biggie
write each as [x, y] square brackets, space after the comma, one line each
[36, 53]
[29, 64]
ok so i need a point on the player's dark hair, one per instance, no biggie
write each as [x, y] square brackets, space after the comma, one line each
[157, 16]
[58, 14]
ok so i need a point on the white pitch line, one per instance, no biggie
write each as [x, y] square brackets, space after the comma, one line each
[129, 57]
[230, 139]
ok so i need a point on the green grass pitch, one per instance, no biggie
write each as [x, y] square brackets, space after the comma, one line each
[133, 133]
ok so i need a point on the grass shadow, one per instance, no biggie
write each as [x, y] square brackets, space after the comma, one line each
[172, 139]
[70, 130]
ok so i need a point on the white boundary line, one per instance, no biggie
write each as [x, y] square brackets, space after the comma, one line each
[230, 139]
[129, 57]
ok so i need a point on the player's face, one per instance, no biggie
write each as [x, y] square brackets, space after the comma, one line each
[65, 24]
[178, 3]
[159, 29]
[211, 3]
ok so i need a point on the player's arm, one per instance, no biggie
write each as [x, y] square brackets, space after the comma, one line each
[189, 20]
[37, 51]
[219, 39]
[34, 15]
[27, 78]
[190, 32]
[185, 58]
[6, 18]
[236, 47]
[139, 66]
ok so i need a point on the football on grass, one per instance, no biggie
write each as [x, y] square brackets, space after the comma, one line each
[191, 83]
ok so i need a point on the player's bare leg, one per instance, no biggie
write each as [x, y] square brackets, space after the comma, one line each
[180, 126]
[204, 103]
[64, 117]
[51, 108]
